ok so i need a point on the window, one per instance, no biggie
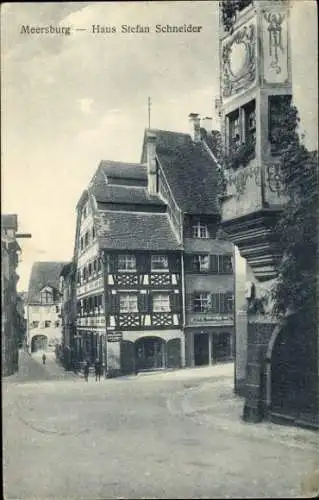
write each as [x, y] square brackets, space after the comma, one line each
[85, 276]
[47, 324]
[34, 324]
[200, 230]
[57, 324]
[234, 130]
[222, 303]
[161, 303]
[57, 309]
[200, 263]
[90, 269]
[221, 264]
[241, 130]
[128, 303]
[81, 244]
[46, 297]
[94, 266]
[159, 263]
[250, 122]
[201, 302]
[85, 212]
[93, 233]
[127, 263]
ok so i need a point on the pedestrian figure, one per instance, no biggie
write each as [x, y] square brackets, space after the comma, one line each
[43, 358]
[98, 369]
[86, 370]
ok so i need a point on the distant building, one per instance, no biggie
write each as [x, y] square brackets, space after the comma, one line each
[9, 278]
[68, 314]
[43, 306]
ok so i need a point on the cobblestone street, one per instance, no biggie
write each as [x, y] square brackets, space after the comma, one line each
[160, 435]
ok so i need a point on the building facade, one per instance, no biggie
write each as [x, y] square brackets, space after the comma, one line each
[43, 307]
[187, 179]
[68, 315]
[275, 365]
[128, 259]
[9, 279]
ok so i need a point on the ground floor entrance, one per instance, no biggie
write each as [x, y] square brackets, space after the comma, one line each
[39, 343]
[208, 346]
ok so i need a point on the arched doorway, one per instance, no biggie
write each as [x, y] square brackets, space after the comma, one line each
[39, 343]
[150, 353]
[294, 380]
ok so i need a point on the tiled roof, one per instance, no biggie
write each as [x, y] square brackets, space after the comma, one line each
[43, 274]
[110, 193]
[190, 170]
[9, 221]
[135, 231]
[122, 170]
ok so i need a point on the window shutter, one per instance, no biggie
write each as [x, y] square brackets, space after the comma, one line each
[214, 263]
[115, 303]
[189, 302]
[174, 300]
[143, 263]
[174, 263]
[143, 303]
[215, 302]
[188, 263]
[113, 259]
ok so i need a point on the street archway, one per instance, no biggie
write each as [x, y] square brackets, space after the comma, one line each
[39, 343]
[150, 353]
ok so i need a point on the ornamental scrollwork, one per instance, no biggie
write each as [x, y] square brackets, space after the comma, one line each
[234, 82]
[240, 178]
[275, 38]
[275, 179]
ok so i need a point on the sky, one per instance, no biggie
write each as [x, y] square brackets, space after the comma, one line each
[70, 101]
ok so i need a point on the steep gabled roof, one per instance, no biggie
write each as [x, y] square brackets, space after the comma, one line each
[123, 170]
[190, 170]
[43, 274]
[135, 231]
[110, 193]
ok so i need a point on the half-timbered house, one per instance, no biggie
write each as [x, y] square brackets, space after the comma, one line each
[129, 285]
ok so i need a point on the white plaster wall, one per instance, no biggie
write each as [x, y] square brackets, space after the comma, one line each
[304, 51]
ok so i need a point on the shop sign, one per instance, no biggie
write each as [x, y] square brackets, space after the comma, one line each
[114, 336]
[211, 318]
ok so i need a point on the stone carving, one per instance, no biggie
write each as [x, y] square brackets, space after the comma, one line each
[275, 38]
[239, 60]
[240, 178]
[275, 178]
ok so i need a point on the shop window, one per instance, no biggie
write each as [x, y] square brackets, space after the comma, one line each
[127, 263]
[201, 302]
[161, 303]
[200, 230]
[200, 263]
[159, 263]
[128, 303]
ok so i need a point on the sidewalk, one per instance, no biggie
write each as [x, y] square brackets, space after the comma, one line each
[214, 404]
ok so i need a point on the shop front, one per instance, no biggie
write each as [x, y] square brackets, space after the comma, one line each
[209, 344]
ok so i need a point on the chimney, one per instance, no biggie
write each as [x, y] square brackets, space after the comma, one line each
[151, 163]
[195, 126]
[207, 123]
